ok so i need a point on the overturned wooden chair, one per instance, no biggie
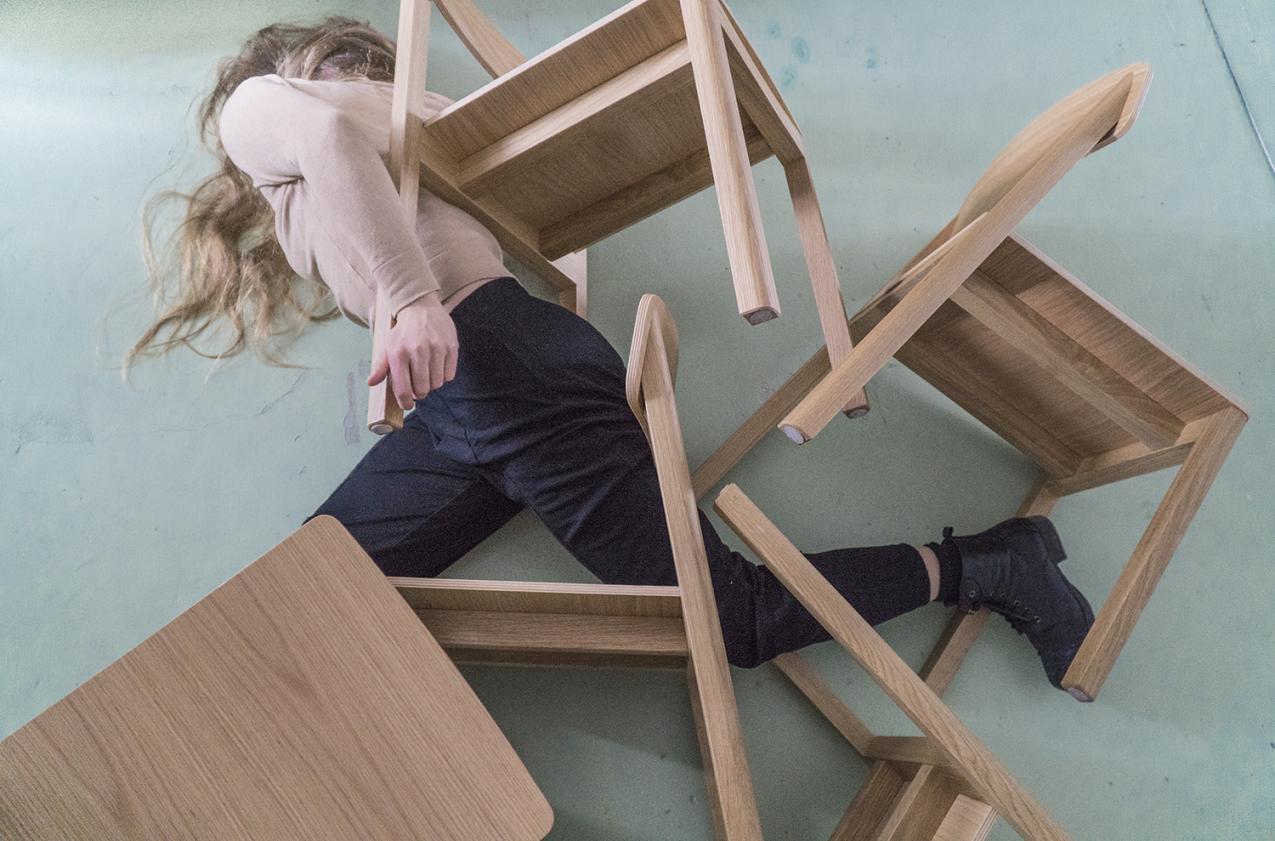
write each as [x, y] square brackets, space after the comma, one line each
[990, 321]
[947, 763]
[613, 626]
[299, 701]
[648, 106]
[1052, 368]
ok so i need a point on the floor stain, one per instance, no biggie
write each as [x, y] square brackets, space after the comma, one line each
[801, 50]
[351, 412]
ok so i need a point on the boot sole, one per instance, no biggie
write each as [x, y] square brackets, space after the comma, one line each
[1049, 536]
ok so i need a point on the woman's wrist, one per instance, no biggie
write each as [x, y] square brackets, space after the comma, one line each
[429, 301]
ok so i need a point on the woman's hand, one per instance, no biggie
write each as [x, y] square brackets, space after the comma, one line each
[421, 352]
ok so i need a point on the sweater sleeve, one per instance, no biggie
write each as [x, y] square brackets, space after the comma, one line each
[279, 130]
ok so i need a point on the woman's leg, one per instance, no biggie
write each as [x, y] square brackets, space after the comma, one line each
[538, 406]
[414, 510]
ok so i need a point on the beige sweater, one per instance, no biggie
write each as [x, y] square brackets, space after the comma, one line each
[319, 152]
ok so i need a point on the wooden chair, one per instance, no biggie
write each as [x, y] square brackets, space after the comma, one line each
[990, 321]
[299, 701]
[646, 107]
[598, 625]
[944, 784]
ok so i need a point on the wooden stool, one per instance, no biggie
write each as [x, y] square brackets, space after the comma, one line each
[599, 625]
[300, 700]
[646, 107]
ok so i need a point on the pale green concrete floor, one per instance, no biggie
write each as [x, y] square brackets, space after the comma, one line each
[121, 507]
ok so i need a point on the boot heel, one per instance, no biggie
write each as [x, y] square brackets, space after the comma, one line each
[1049, 534]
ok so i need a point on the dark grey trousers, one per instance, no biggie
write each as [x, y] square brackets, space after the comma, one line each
[536, 417]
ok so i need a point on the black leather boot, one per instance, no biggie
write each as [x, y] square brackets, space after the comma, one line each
[1012, 569]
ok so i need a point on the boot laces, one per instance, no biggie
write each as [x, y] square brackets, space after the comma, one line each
[1019, 617]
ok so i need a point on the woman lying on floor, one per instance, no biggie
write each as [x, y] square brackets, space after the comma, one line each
[515, 402]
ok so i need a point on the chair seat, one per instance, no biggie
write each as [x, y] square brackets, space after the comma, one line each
[299, 700]
[996, 380]
[592, 135]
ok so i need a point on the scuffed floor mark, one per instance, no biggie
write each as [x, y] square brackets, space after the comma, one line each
[351, 411]
[47, 429]
[1235, 82]
[873, 59]
[275, 402]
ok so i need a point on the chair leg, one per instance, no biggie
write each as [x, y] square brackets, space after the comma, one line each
[576, 267]
[920, 808]
[871, 806]
[823, 272]
[1114, 622]
[728, 155]
[729, 784]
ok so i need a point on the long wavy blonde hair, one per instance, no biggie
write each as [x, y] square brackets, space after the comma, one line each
[223, 266]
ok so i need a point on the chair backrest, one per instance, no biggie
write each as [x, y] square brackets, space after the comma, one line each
[480, 36]
[653, 328]
[1030, 144]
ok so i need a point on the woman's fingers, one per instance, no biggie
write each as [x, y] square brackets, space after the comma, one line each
[449, 367]
[437, 366]
[401, 379]
[420, 373]
[380, 368]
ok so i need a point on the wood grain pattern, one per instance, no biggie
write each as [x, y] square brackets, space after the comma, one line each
[758, 97]
[1030, 145]
[712, 695]
[823, 273]
[912, 750]
[979, 768]
[1126, 462]
[438, 174]
[554, 77]
[871, 805]
[530, 146]
[648, 195]
[647, 106]
[728, 154]
[967, 820]
[538, 597]
[953, 268]
[1071, 364]
[384, 415]
[920, 808]
[1119, 613]
[480, 37]
[302, 699]
[602, 638]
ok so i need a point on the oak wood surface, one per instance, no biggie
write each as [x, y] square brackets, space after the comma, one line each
[302, 699]
[979, 768]
[728, 155]
[726, 772]
[953, 268]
